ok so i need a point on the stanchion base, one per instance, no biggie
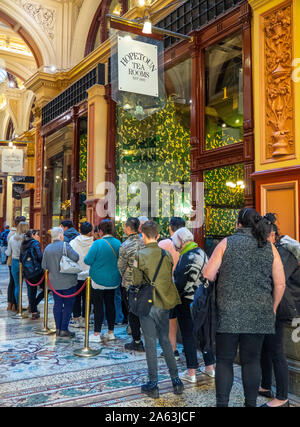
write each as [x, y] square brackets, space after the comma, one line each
[45, 331]
[86, 352]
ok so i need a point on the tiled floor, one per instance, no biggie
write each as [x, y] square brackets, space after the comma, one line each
[40, 370]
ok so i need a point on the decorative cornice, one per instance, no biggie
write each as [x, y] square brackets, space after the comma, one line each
[43, 16]
[257, 4]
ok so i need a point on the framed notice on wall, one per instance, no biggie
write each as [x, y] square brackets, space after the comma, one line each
[12, 160]
[138, 67]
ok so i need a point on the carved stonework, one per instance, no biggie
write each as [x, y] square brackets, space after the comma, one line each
[278, 78]
[43, 16]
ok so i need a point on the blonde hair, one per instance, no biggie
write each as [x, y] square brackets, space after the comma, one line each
[22, 229]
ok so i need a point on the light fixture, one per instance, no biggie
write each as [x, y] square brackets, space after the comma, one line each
[142, 3]
[237, 121]
[224, 125]
[147, 28]
[127, 107]
[53, 69]
[11, 84]
[240, 183]
[10, 144]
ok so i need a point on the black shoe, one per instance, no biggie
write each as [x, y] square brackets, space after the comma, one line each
[178, 386]
[151, 390]
[285, 405]
[57, 332]
[269, 394]
[133, 346]
[67, 334]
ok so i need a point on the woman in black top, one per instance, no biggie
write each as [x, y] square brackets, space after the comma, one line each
[246, 301]
[273, 350]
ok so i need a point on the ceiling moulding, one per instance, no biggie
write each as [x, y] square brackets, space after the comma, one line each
[258, 4]
[43, 16]
[138, 12]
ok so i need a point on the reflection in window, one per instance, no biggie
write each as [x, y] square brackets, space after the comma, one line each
[58, 166]
[224, 197]
[224, 93]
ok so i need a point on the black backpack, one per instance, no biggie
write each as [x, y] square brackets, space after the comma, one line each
[31, 266]
[204, 315]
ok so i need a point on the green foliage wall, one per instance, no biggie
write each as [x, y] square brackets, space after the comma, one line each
[222, 203]
[83, 158]
[156, 149]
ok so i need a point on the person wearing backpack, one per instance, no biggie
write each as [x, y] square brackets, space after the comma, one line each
[187, 278]
[31, 257]
[4, 243]
[273, 355]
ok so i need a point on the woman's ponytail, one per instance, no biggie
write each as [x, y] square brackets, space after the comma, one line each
[261, 227]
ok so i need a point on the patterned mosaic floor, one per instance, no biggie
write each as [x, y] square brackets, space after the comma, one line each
[42, 370]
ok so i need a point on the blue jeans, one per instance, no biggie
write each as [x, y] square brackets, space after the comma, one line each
[118, 305]
[63, 308]
[156, 324]
[185, 322]
[15, 271]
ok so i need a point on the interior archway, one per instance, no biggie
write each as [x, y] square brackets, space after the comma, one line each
[9, 21]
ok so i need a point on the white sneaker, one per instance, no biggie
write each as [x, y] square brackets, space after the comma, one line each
[94, 338]
[75, 323]
[211, 374]
[108, 337]
[190, 378]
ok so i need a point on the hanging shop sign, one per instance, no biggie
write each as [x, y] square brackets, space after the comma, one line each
[137, 73]
[12, 160]
[138, 67]
[25, 179]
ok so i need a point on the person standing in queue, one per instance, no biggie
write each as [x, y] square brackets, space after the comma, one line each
[64, 284]
[246, 301]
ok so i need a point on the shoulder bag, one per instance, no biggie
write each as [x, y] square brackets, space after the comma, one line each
[67, 266]
[141, 297]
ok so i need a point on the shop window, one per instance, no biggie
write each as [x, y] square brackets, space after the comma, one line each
[58, 167]
[157, 149]
[224, 93]
[224, 197]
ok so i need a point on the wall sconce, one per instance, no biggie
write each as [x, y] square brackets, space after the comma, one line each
[240, 185]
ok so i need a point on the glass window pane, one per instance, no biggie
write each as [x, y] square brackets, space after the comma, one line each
[157, 149]
[58, 166]
[224, 93]
[224, 197]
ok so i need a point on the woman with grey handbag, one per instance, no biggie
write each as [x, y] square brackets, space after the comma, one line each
[58, 257]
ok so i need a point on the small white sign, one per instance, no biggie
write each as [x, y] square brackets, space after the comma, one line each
[12, 160]
[138, 67]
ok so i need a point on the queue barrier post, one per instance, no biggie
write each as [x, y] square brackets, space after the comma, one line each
[87, 351]
[45, 330]
[20, 314]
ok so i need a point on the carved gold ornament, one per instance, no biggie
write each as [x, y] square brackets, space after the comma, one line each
[278, 78]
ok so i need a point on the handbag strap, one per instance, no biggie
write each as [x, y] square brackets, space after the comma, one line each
[65, 249]
[163, 254]
[111, 247]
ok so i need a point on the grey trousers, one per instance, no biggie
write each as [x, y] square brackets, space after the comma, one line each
[156, 325]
